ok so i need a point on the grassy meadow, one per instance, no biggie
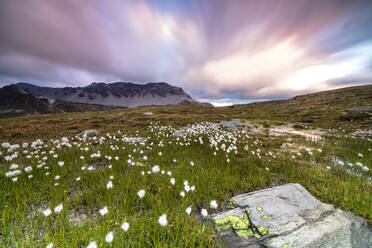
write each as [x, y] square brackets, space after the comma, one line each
[181, 159]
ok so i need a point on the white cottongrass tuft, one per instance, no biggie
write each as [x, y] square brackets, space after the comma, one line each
[109, 237]
[182, 194]
[204, 212]
[188, 210]
[92, 244]
[213, 204]
[173, 181]
[61, 163]
[47, 212]
[50, 245]
[163, 220]
[109, 185]
[125, 226]
[103, 211]
[155, 169]
[58, 209]
[141, 193]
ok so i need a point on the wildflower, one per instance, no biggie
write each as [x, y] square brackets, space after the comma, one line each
[173, 181]
[155, 169]
[365, 168]
[47, 212]
[192, 188]
[30, 176]
[125, 226]
[169, 173]
[360, 155]
[188, 210]
[192, 163]
[50, 245]
[163, 220]
[182, 194]
[92, 244]
[141, 193]
[204, 212]
[328, 168]
[109, 237]
[111, 177]
[359, 164]
[103, 211]
[109, 185]
[57, 177]
[160, 153]
[61, 163]
[28, 169]
[187, 188]
[78, 179]
[213, 204]
[58, 209]
[14, 166]
[15, 179]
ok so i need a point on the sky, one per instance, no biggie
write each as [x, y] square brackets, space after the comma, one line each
[221, 51]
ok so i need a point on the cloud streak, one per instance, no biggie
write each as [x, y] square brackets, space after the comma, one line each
[213, 49]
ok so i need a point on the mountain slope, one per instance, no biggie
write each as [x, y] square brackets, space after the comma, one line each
[115, 94]
[14, 101]
[332, 108]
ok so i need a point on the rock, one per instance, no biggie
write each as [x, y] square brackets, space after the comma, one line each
[91, 132]
[362, 133]
[289, 216]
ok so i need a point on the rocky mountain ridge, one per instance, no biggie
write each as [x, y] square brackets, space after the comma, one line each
[120, 94]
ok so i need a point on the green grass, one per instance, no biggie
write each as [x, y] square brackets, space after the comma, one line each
[22, 223]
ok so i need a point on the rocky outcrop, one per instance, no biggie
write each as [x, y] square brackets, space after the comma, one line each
[289, 216]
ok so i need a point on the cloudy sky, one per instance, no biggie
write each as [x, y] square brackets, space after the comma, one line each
[222, 51]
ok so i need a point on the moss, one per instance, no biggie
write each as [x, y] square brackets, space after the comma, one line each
[263, 230]
[231, 204]
[245, 233]
[234, 222]
[241, 226]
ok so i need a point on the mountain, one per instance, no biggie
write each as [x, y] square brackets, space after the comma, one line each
[14, 101]
[343, 107]
[120, 94]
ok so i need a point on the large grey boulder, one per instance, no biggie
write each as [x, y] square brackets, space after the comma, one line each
[289, 216]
